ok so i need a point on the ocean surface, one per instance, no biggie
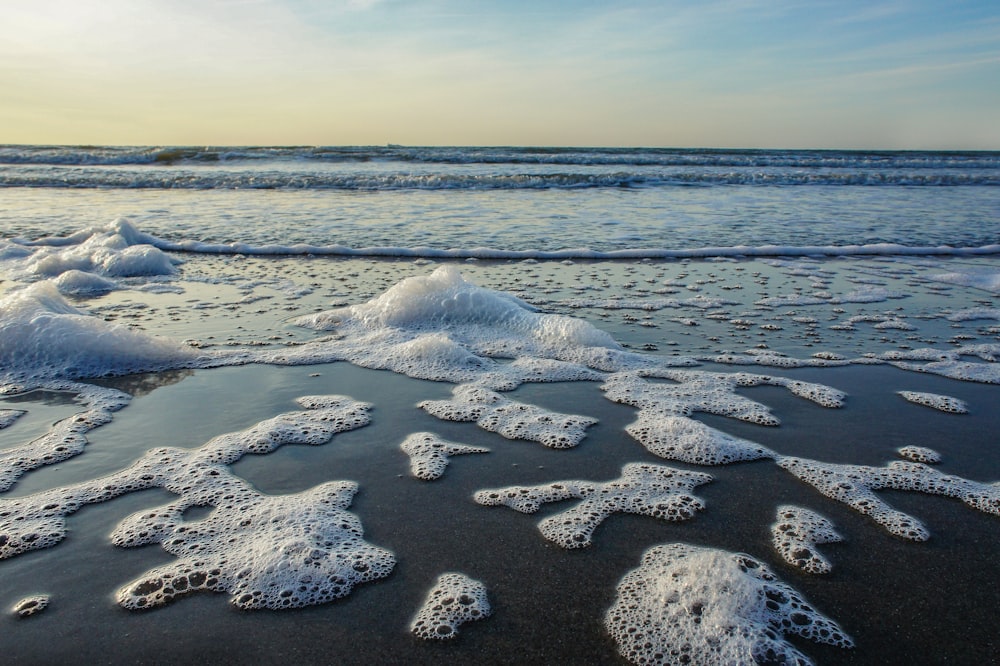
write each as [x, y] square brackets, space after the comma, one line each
[482, 405]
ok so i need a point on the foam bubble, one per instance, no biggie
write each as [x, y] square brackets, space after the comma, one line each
[429, 454]
[919, 454]
[454, 600]
[644, 489]
[31, 605]
[854, 485]
[691, 605]
[514, 420]
[943, 403]
[796, 534]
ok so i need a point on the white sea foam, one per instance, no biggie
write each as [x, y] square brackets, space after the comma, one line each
[454, 600]
[9, 416]
[854, 485]
[692, 605]
[42, 337]
[796, 534]
[920, 454]
[514, 420]
[985, 280]
[429, 454]
[65, 438]
[265, 551]
[944, 403]
[32, 605]
[649, 490]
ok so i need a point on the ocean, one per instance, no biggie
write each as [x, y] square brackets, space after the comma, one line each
[452, 405]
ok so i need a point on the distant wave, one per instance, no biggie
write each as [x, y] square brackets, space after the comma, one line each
[134, 236]
[666, 157]
[75, 177]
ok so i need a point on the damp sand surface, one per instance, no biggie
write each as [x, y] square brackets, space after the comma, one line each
[902, 602]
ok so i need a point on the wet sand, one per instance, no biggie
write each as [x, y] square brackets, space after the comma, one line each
[902, 602]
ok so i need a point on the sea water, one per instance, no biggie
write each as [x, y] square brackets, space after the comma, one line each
[730, 384]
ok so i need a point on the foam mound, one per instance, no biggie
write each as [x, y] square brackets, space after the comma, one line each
[31, 605]
[454, 600]
[429, 454]
[920, 454]
[118, 250]
[942, 403]
[854, 485]
[657, 491]
[511, 419]
[443, 328]
[42, 337]
[796, 534]
[691, 605]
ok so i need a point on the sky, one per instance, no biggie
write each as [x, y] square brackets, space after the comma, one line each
[892, 74]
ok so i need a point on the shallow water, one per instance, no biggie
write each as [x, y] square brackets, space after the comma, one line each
[245, 334]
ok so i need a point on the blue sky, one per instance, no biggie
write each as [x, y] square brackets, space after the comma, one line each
[728, 73]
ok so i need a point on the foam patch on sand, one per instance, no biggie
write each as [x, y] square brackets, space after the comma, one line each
[707, 392]
[514, 420]
[796, 534]
[271, 552]
[690, 605]
[429, 454]
[454, 600]
[65, 438]
[855, 486]
[687, 440]
[942, 403]
[649, 490]
[948, 363]
[265, 551]
[42, 337]
[920, 454]
[31, 605]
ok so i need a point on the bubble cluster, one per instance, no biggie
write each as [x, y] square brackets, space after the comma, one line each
[271, 552]
[265, 551]
[854, 485]
[942, 403]
[695, 391]
[687, 440]
[796, 534]
[31, 605]
[691, 605]
[657, 491]
[429, 454]
[511, 419]
[454, 600]
[920, 454]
